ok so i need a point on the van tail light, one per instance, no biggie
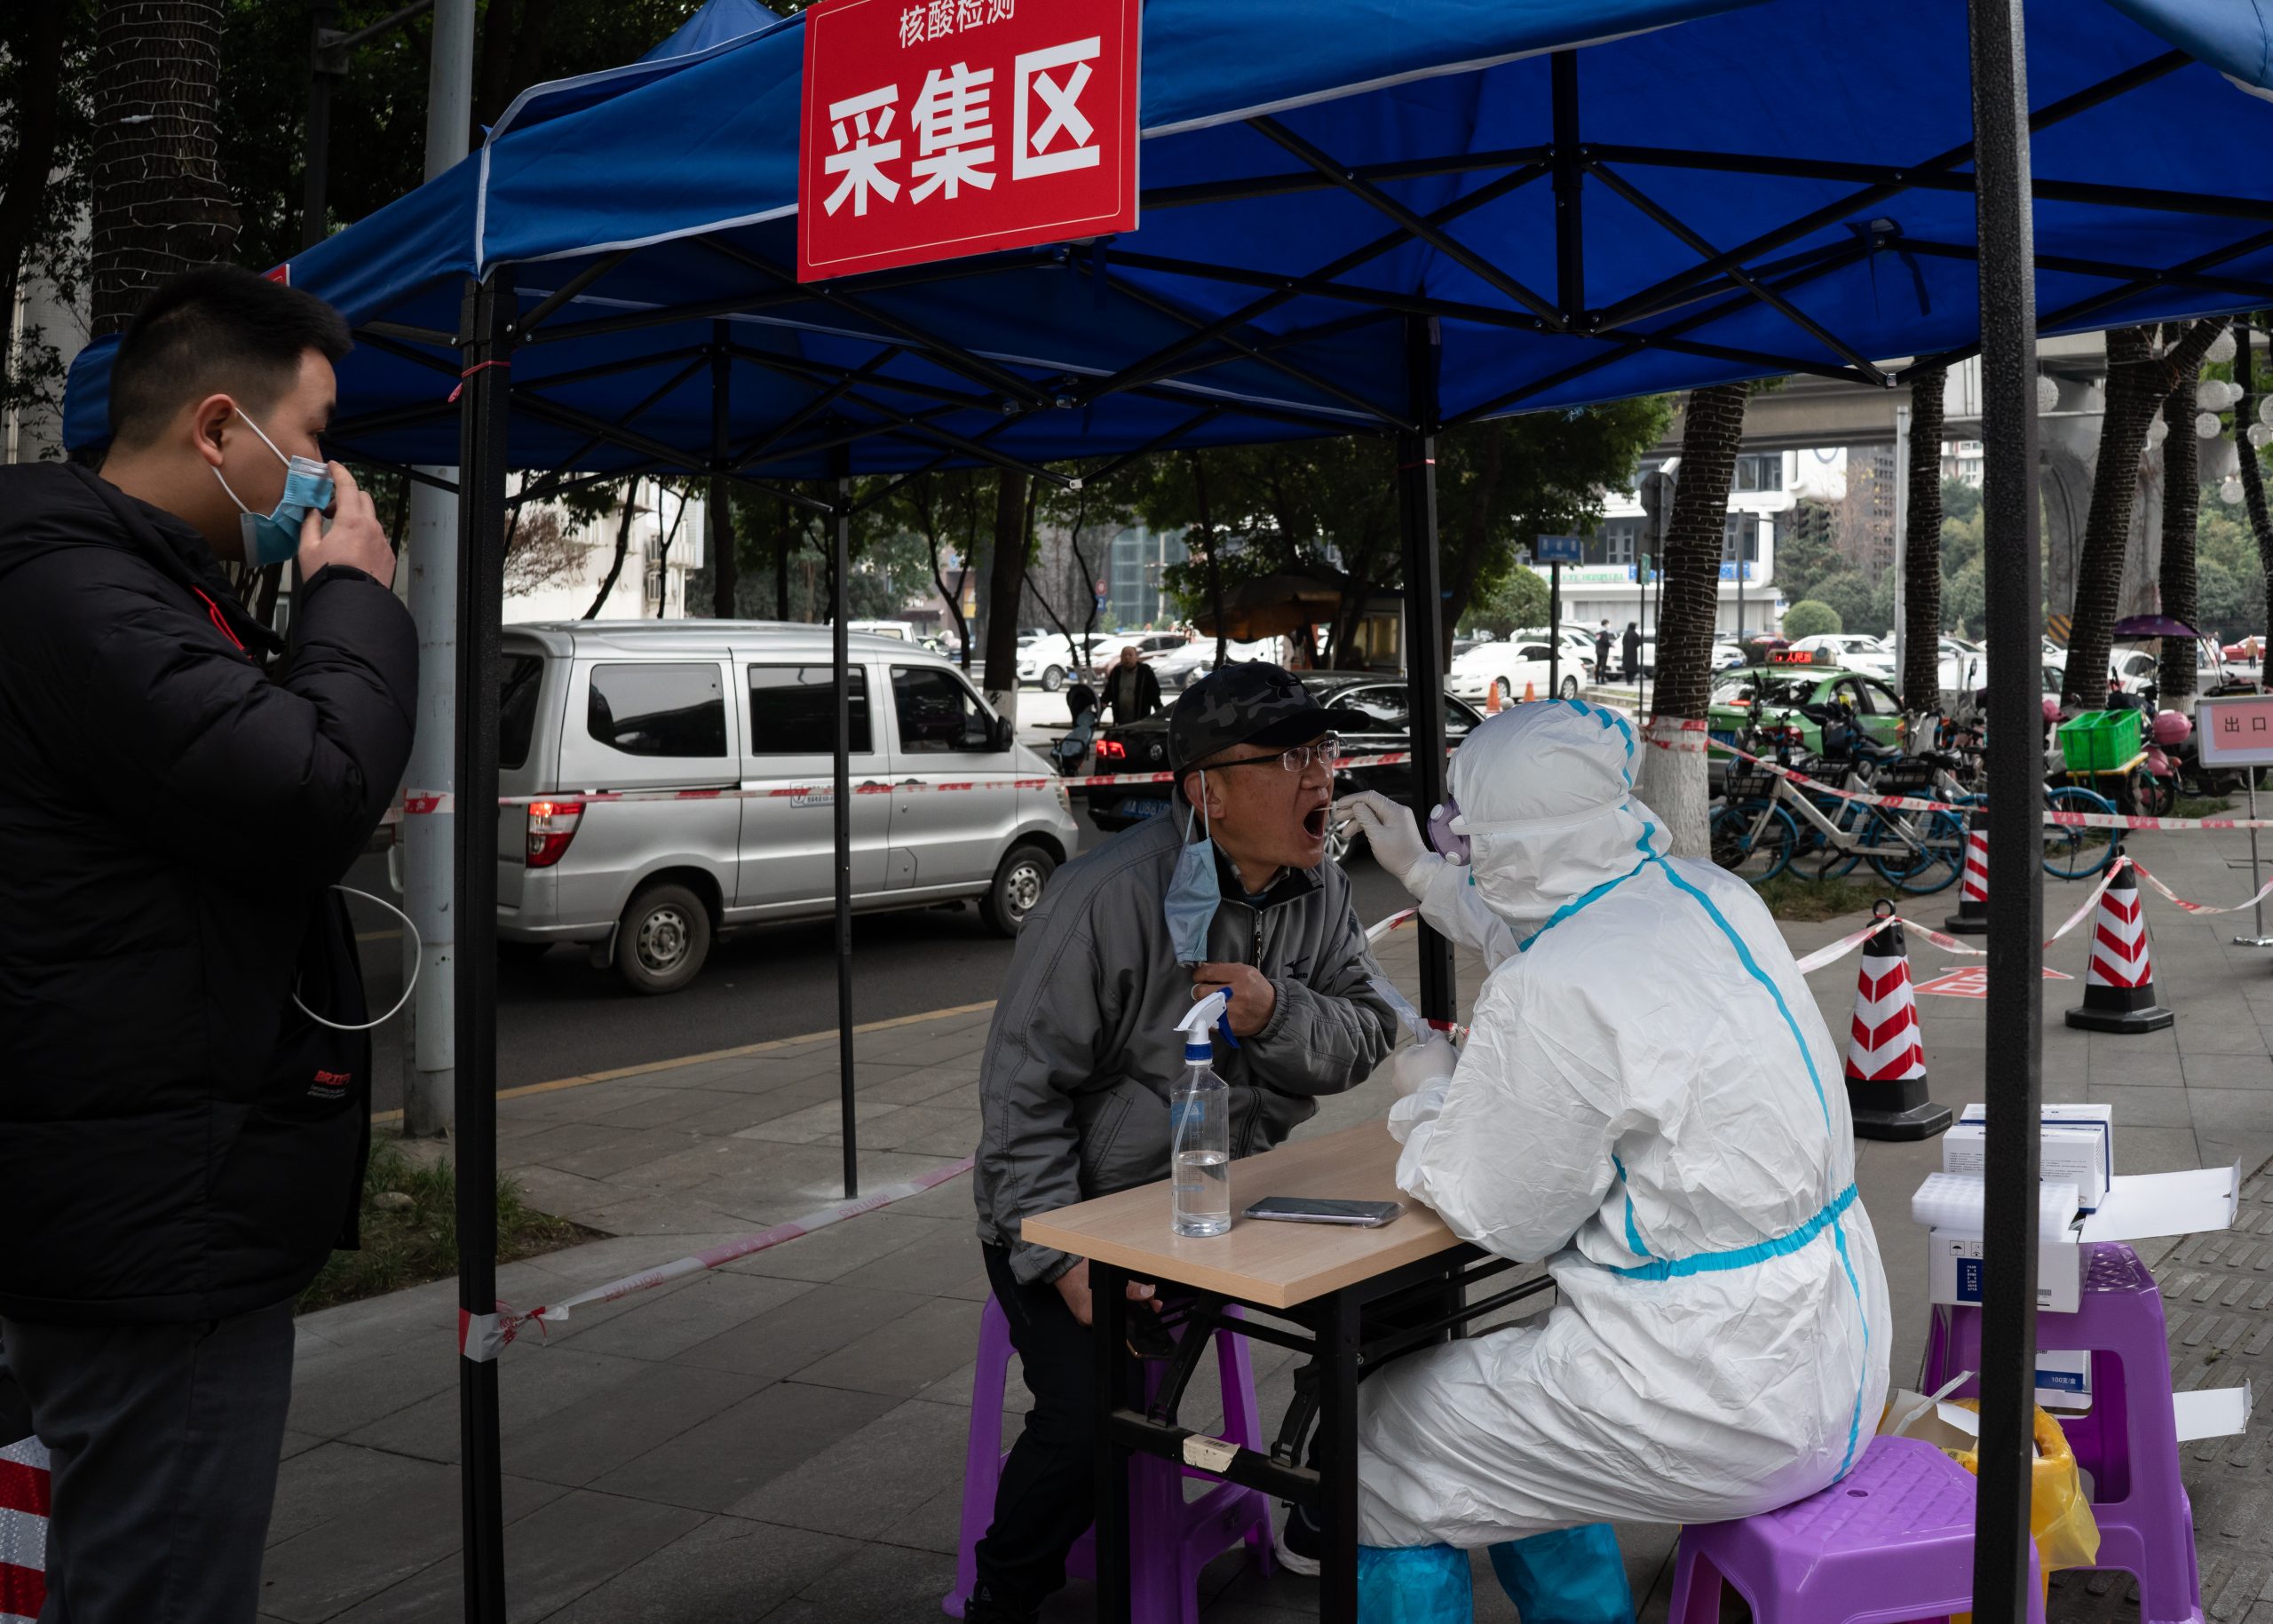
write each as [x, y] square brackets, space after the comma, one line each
[552, 824]
[1112, 749]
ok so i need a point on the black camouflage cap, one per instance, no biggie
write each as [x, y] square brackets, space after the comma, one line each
[1250, 702]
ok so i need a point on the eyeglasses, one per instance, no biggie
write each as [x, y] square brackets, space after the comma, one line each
[1324, 751]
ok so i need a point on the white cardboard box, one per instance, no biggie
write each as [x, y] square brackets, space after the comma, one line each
[2079, 1147]
[2136, 1207]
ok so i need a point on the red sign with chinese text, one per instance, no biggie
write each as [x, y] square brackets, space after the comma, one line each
[935, 129]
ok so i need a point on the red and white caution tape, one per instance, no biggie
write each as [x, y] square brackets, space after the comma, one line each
[1402, 917]
[1657, 728]
[1834, 951]
[482, 1336]
[418, 803]
[2262, 893]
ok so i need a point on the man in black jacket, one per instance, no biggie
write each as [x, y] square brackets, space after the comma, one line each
[1132, 690]
[184, 1108]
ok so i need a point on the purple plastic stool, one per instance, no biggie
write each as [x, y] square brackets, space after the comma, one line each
[1170, 1538]
[1892, 1540]
[2128, 1441]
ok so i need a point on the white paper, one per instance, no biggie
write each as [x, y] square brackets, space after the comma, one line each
[2140, 1204]
[1968, 1421]
[2217, 1412]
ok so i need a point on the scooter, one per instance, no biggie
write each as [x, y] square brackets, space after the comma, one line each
[2162, 779]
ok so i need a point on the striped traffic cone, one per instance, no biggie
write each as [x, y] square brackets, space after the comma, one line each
[1886, 1058]
[2120, 985]
[24, 1496]
[1972, 916]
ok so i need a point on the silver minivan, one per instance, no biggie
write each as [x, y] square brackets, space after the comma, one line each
[719, 705]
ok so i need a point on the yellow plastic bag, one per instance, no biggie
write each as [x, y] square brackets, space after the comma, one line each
[2059, 1518]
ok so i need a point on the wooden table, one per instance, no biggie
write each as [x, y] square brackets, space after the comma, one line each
[1404, 1284]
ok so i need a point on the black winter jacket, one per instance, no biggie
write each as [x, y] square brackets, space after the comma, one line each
[177, 1141]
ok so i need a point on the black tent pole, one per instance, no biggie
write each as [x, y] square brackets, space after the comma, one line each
[486, 342]
[840, 530]
[2014, 618]
[1424, 644]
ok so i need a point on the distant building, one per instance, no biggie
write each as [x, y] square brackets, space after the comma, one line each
[1605, 584]
[554, 569]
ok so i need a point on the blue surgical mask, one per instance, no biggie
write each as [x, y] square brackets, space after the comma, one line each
[273, 537]
[1194, 893]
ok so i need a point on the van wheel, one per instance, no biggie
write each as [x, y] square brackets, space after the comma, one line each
[663, 940]
[1019, 884]
[1053, 679]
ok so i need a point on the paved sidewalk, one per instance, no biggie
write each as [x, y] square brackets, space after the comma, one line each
[782, 1439]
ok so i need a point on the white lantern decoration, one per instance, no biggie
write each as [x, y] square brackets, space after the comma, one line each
[2047, 393]
[2265, 409]
[2206, 425]
[2221, 347]
[2211, 392]
[2158, 432]
[2230, 493]
[2259, 434]
[2221, 460]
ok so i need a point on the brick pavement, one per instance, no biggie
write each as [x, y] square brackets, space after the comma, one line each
[782, 1439]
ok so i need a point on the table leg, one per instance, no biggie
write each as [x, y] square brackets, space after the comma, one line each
[1337, 1360]
[1108, 1305]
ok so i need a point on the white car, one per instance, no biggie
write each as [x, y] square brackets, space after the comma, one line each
[1047, 660]
[1578, 644]
[1854, 651]
[1508, 667]
[1179, 667]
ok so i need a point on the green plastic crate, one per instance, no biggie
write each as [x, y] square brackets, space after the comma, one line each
[2099, 740]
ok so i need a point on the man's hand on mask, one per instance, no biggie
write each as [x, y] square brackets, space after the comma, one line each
[1253, 997]
[356, 538]
[1390, 829]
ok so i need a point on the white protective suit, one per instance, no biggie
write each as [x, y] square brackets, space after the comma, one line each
[1650, 1101]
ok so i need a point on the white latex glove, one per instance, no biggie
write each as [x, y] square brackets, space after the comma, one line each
[1415, 1065]
[1421, 1073]
[1394, 834]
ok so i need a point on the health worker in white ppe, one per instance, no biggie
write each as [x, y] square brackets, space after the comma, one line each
[1649, 1101]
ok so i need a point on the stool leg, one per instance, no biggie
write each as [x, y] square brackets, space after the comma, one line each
[1243, 1423]
[982, 1458]
[1696, 1589]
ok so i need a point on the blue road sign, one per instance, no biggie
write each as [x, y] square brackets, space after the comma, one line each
[1555, 549]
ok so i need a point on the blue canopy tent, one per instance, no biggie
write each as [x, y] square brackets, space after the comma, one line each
[1382, 216]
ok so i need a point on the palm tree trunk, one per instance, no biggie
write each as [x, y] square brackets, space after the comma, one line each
[2181, 504]
[2138, 383]
[2252, 480]
[1006, 582]
[1688, 609]
[1207, 540]
[160, 205]
[1921, 561]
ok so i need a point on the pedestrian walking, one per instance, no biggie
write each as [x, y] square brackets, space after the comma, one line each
[1602, 650]
[184, 1105]
[1632, 648]
[1232, 891]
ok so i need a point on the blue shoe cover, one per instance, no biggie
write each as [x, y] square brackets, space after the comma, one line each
[1570, 1576]
[1414, 1584]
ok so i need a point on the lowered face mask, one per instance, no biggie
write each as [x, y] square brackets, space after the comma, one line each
[1193, 893]
[274, 536]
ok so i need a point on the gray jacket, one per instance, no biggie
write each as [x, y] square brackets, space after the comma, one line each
[1082, 1052]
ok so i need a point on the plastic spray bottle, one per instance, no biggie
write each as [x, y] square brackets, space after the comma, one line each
[1200, 1128]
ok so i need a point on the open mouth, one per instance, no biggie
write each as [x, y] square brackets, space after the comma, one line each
[1314, 821]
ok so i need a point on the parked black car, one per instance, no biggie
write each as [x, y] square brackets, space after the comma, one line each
[1372, 714]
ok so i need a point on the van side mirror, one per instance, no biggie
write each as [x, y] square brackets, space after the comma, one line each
[1003, 736]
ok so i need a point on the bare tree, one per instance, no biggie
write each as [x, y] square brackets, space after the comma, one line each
[2252, 480]
[1921, 562]
[1688, 609]
[38, 129]
[663, 550]
[539, 550]
[160, 205]
[1206, 528]
[623, 546]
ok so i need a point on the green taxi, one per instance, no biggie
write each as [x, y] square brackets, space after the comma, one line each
[1780, 690]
